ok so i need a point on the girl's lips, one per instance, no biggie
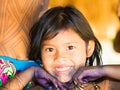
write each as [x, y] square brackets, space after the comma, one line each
[63, 70]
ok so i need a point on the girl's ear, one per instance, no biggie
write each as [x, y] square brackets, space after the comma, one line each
[90, 48]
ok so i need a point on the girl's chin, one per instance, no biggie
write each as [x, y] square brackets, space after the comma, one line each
[64, 79]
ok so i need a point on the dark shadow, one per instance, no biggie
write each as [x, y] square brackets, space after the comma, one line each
[116, 42]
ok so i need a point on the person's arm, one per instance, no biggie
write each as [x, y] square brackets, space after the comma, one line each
[92, 73]
[112, 71]
[21, 79]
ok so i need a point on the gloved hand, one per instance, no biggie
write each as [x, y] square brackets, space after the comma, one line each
[88, 74]
[46, 80]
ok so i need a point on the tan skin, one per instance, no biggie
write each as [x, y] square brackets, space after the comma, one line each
[65, 53]
[92, 73]
[18, 84]
[103, 71]
[88, 74]
[21, 79]
[56, 63]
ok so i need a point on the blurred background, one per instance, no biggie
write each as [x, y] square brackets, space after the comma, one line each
[102, 15]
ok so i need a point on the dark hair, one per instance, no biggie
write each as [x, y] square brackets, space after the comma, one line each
[116, 42]
[57, 18]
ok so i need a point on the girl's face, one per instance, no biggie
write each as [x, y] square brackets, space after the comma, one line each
[64, 54]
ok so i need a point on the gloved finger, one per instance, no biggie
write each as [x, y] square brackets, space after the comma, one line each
[49, 87]
[67, 85]
[56, 83]
[43, 83]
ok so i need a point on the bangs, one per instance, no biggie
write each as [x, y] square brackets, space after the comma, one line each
[59, 20]
[55, 28]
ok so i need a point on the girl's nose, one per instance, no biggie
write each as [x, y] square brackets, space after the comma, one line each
[60, 55]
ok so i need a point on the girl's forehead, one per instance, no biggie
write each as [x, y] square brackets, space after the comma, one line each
[65, 36]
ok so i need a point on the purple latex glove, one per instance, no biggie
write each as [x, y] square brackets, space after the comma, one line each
[88, 74]
[45, 79]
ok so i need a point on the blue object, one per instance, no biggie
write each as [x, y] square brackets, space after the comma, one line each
[20, 64]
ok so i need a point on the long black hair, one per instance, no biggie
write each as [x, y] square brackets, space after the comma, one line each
[50, 24]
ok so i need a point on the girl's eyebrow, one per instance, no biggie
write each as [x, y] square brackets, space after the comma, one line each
[71, 42]
[64, 43]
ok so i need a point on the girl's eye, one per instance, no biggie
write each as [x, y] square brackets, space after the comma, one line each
[49, 49]
[70, 47]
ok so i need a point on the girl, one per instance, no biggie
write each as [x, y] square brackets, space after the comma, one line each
[63, 41]
[92, 73]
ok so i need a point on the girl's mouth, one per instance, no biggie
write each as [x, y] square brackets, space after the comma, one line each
[63, 70]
